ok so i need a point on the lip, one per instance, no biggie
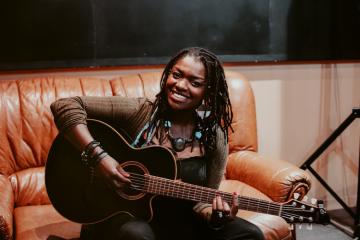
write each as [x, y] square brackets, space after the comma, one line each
[178, 97]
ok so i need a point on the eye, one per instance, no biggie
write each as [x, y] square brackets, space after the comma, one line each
[176, 75]
[196, 84]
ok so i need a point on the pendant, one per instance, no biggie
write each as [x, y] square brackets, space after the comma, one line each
[178, 144]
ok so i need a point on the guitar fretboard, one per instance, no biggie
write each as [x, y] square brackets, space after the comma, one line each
[186, 191]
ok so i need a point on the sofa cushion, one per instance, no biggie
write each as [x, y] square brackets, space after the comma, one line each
[42, 221]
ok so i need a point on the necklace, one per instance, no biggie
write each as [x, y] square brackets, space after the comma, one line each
[179, 143]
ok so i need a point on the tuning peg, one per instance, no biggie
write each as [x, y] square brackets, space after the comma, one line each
[305, 198]
[313, 201]
[296, 196]
[300, 226]
[309, 226]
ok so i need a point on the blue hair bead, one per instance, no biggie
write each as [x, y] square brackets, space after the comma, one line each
[198, 135]
[167, 124]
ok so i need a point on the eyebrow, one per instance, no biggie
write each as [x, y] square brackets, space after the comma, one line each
[192, 77]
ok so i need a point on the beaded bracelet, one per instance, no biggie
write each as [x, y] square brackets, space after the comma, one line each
[86, 158]
[97, 157]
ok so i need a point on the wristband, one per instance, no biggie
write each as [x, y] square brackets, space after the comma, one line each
[97, 157]
[87, 152]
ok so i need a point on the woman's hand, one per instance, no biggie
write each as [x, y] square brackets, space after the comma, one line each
[113, 174]
[221, 211]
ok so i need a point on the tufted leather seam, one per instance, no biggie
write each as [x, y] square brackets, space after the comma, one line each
[142, 84]
[42, 149]
[14, 185]
[123, 87]
[103, 87]
[12, 150]
[82, 86]
[22, 119]
[11, 143]
[21, 107]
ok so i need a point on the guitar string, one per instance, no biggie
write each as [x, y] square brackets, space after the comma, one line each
[268, 205]
[197, 188]
[181, 186]
[283, 214]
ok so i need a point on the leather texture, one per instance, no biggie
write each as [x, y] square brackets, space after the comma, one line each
[27, 130]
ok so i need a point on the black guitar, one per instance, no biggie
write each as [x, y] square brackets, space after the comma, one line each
[78, 197]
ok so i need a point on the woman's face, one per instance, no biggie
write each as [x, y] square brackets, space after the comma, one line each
[186, 84]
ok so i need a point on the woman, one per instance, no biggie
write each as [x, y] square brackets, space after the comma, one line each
[193, 78]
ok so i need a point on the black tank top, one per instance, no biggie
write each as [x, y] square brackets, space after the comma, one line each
[192, 170]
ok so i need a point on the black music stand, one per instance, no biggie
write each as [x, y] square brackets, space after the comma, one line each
[307, 165]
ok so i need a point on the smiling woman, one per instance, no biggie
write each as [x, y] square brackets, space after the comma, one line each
[199, 143]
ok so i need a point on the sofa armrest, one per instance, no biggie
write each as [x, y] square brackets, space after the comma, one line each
[6, 208]
[277, 179]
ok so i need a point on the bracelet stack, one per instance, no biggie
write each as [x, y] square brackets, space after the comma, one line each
[91, 157]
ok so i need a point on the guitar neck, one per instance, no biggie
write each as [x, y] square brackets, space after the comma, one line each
[180, 190]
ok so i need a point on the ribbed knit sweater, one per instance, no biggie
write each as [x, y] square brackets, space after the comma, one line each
[130, 115]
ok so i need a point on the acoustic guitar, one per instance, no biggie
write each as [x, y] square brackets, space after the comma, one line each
[81, 197]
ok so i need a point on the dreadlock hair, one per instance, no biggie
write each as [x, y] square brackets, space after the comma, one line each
[216, 103]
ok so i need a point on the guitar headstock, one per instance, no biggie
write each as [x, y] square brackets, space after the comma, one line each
[295, 211]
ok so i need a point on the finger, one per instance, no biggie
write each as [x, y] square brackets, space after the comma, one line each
[119, 179]
[122, 171]
[235, 199]
[226, 208]
[219, 203]
[122, 175]
[214, 204]
[235, 205]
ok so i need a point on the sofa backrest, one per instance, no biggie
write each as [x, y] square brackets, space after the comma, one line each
[27, 128]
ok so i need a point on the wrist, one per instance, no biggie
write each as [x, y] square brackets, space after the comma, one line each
[92, 154]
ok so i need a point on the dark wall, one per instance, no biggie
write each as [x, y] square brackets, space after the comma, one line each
[324, 29]
[68, 33]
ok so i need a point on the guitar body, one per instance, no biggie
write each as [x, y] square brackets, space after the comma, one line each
[83, 199]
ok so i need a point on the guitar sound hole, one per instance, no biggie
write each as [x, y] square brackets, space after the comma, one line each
[136, 170]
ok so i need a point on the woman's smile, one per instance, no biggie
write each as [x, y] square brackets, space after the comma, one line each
[180, 97]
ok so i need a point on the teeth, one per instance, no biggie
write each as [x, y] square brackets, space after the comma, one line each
[179, 96]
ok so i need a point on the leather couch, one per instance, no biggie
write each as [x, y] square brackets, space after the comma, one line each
[27, 131]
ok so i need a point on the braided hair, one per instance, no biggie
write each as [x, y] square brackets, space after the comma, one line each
[216, 102]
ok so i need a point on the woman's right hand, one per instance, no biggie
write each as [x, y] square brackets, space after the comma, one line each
[113, 174]
[108, 168]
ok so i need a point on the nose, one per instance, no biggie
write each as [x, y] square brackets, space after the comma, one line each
[181, 84]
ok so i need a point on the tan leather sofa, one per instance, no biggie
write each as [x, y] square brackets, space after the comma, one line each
[27, 130]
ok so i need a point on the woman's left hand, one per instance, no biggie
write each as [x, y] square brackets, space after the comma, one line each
[222, 212]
